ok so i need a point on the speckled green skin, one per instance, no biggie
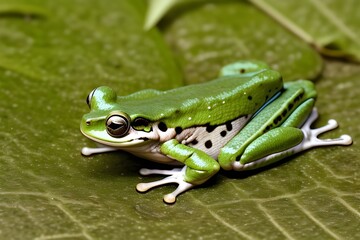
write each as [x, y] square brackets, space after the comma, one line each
[273, 110]
[241, 89]
[291, 108]
[224, 99]
[245, 119]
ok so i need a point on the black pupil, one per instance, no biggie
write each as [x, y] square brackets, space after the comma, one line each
[115, 126]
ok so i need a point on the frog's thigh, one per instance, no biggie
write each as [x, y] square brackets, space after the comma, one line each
[270, 147]
[199, 166]
[299, 116]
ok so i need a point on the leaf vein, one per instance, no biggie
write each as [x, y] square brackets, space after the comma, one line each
[283, 20]
[322, 8]
[228, 225]
[74, 219]
[315, 220]
[348, 206]
[59, 236]
[222, 221]
[275, 223]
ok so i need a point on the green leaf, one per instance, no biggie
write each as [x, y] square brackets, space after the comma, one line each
[206, 35]
[156, 10]
[332, 26]
[52, 55]
[101, 41]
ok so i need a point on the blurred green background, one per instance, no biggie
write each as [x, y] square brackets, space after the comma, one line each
[53, 53]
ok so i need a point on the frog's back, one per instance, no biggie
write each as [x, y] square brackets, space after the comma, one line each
[206, 103]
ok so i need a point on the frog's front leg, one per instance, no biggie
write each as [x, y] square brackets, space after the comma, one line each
[87, 151]
[199, 167]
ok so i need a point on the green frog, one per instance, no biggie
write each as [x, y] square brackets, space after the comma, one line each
[245, 119]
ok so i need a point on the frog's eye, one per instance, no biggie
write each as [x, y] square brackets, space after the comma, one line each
[117, 125]
[89, 97]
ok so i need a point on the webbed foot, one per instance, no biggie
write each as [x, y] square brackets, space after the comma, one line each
[175, 175]
[311, 135]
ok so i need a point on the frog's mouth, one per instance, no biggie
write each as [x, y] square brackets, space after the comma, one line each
[115, 142]
[104, 139]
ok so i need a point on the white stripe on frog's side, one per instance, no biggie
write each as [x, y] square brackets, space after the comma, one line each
[210, 139]
[150, 149]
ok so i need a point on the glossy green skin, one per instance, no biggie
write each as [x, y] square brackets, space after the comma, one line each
[290, 109]
[275, 111]
[191, 105]
[231, 96]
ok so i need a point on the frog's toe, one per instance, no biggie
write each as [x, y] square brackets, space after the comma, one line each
[347, 140]
[87, 151]
[183, 187]
[143, 187]
[169, 198]
[146, 171]
[312, 134]
[176, 176]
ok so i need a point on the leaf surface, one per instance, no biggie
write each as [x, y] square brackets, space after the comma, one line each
[332, 26]
[52, 55]
[220, 32]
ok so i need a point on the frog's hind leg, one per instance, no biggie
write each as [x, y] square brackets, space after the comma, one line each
[281, 142]
[311, 135]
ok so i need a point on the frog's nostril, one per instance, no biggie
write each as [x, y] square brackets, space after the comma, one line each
[88, 122]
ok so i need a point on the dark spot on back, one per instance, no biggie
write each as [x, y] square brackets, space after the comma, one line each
[284, 113]
[228, 126]
[178, 130]
[250, 98]
[277, 120]
[223, 133]
[194, 142]
[210, 128]
[242, 70]
[267, 128]
[290, 106]
[162, 126]
[208, 144]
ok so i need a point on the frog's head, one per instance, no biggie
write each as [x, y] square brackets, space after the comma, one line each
[110, 124]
